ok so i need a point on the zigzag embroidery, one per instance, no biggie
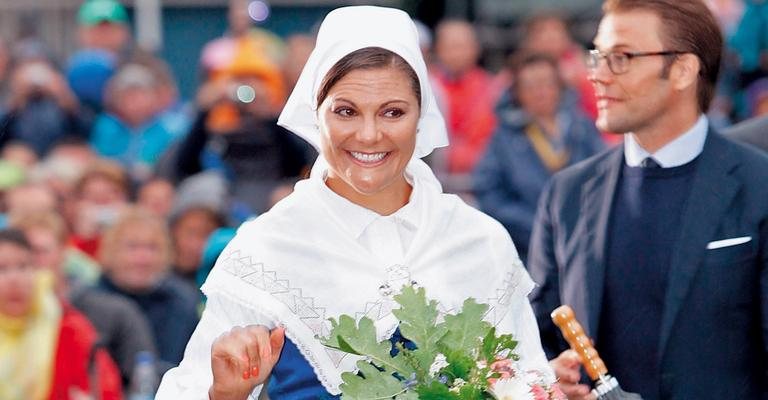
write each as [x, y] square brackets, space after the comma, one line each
[314, 317]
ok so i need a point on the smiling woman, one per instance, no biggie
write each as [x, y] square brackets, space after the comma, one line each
[370, 219]
[369, 111]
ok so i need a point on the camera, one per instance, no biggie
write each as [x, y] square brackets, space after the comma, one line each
[241, 93]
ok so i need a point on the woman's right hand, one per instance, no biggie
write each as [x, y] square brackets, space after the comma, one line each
[243, 358]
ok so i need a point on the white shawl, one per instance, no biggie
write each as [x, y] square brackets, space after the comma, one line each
[298, 266]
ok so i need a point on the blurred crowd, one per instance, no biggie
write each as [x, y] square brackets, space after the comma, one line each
[117, 195]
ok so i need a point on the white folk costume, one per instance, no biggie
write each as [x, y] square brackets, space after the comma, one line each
[316, 255]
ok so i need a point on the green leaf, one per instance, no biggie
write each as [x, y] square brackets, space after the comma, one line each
[490, 343]
[493, 345]
[460, 364]
[374, 384]
[435, 391]
[467, 328]
[507, 342]
[407, 396]
[360, 339]
[471, 392]
[418, 323]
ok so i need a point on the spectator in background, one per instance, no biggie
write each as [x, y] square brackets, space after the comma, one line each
[753, 131]
[129, 131]
[190, 228]
[298, 47]
[157, 196]
[548, 34]
[39, 199]
[61, 169]
[100, 195]
[136, 255]
[5, 60]
[537, 136]
[242, 39]
[88, 72]
[41, 108]
[47, 349]
[103, 24]
[123, 329]
[235, 133]
[29, 198]
[469, 95]
[104, 41]
[10, 175]
[19, 153]
[172, 113]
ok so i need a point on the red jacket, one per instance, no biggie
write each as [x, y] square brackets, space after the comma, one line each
[80, 363]
[470, 99]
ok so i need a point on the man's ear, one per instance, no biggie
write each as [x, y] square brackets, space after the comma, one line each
[685, 71]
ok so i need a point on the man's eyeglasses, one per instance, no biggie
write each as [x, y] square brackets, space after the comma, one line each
[618, 61]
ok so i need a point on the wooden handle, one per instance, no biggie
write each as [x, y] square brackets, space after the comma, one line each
[565, 319]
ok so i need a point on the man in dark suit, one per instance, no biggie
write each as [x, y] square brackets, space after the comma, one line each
[753, 131]
[660, 245]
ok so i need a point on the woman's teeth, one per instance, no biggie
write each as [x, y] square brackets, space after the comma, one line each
[368, 157]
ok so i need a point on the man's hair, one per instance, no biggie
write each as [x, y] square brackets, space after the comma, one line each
[687, 26]
[107, 170]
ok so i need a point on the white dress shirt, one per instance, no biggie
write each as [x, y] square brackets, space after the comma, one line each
[678, 152]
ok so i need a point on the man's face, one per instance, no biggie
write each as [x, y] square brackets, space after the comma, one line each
[456, 47]
[637, 100]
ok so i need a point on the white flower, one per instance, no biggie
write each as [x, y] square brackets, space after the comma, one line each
[439, 363]
[457, 384]
[511, 389]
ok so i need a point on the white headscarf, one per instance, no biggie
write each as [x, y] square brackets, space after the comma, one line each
[348, 29]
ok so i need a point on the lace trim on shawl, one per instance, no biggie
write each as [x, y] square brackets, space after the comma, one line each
[516, 283]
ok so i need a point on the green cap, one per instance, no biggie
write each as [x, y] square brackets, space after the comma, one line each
[93, 12]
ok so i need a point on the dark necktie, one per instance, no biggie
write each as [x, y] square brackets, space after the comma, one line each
[650, 163]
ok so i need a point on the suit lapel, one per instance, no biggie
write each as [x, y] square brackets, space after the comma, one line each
[596, 204]
[712, 191]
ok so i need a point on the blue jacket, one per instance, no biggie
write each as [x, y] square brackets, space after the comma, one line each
[510, 176]
[113, 139]
[713, 337]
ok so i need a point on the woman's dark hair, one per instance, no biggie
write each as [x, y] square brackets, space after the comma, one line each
[14, 237]
[525, 59]
[367, 58]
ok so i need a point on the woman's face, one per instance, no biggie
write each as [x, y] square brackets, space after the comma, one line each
[16, 280]
[368, 133]
[538, 89]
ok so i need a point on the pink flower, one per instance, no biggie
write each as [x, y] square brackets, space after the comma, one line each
[504, 368]
[539, 393]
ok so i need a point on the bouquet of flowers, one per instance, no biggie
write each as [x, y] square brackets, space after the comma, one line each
[460, 357]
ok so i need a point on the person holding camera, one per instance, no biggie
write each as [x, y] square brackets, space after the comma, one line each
[235, 133]
[41, 109]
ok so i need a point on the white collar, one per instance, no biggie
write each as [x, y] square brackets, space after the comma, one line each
[680, 151]
[356, 218]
